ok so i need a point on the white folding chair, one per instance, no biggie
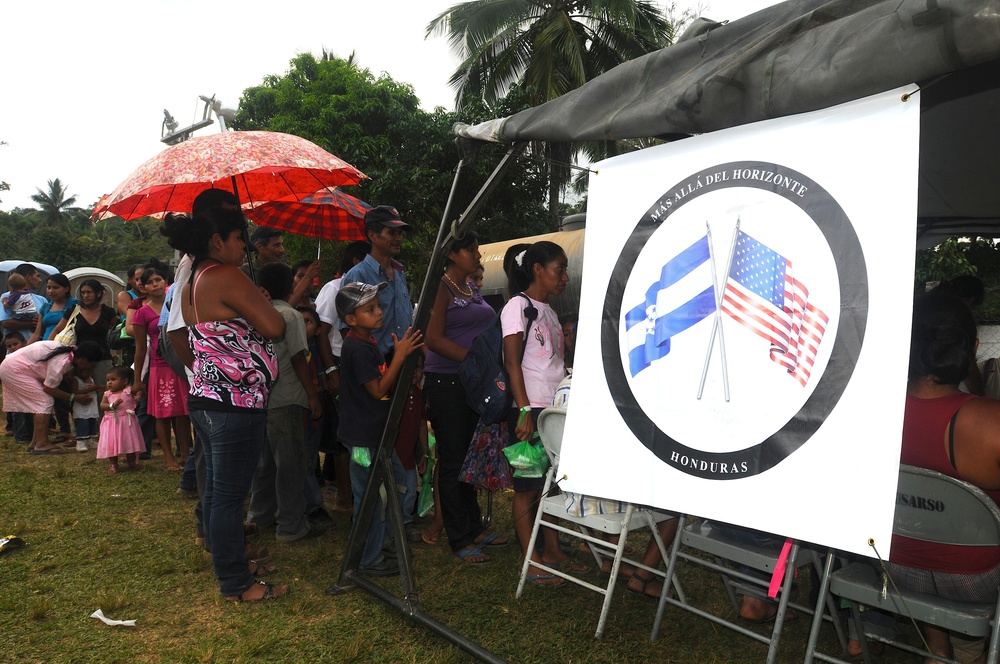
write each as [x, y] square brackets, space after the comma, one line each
[550, 427]
[962, 516]
[702, 537]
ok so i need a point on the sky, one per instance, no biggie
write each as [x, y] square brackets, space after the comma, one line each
[85, 83]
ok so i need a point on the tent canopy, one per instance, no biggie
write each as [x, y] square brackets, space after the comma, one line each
[803, 55]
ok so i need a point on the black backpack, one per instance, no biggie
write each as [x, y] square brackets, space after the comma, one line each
[482, 371]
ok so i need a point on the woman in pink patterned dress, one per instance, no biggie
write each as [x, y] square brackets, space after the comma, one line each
[167, 392]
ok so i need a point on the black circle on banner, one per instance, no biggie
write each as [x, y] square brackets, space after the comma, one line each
[852, 271]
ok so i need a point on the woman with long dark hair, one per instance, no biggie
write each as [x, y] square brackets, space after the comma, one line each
[231, 325]
[954, 433]
[458, 316]
[92, 323]
[533, 356]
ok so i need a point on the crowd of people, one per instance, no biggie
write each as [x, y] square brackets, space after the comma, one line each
[241, 379]
[247, 381]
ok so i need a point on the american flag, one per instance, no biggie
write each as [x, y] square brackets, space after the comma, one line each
[762, 295]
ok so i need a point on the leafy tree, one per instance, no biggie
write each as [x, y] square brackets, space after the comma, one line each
[548, 46]
[376, 124]
[56, 206]
[955, 257]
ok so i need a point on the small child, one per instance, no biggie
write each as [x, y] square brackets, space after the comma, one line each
[317, 514]
[120, 431]
[85, 415]
[277, 495]
[22, 424]
[365, 383]
[19, 303]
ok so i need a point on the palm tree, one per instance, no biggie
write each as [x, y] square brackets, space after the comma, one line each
[54, 203]
[548, 46]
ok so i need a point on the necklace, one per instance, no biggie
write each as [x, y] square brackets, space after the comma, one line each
[466, 293]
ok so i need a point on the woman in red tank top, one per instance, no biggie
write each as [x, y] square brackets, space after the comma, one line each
[954, 433]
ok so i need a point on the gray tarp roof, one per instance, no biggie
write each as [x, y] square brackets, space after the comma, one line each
[803, 55]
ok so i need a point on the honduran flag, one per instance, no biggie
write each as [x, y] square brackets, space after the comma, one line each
[762, 295]
[683, 295]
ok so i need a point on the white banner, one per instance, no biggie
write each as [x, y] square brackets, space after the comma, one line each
[744, 324]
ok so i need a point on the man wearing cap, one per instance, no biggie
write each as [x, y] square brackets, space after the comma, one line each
[384, 229]
[269, 247]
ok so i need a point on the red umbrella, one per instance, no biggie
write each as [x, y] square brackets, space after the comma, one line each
[328, 214]
[255, 165]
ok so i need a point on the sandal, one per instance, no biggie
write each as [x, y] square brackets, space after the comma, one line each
[472, 551]
[270, 592]
[624, 571]
[113, 468]
[541, 580]
[259, 569]
[642, 591]
[430, 538]
[493, 539]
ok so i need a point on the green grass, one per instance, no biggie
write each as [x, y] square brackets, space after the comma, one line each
[125, 544]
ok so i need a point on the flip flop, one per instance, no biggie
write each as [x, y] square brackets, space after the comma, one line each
[51, 450]
[571, 566]
[492, 540]
[790, 616]
[427, 538]
[465, 553]
[537, 580]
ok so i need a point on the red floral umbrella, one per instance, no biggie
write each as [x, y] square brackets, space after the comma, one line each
[257, 166]
[328, 214]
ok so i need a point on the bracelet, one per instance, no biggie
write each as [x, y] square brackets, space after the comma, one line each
[72, 397]
[526, 409]
[330, 370]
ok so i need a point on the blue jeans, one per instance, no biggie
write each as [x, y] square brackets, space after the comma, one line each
[232, 445]
[311, 491]
[189, 478]
[276, 495]
[86, 427]
[405, 483]
[377, 531]
[24, 427]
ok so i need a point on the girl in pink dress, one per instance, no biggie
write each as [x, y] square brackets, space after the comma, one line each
[120, 432]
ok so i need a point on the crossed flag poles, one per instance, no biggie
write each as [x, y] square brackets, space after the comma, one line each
[760, 293]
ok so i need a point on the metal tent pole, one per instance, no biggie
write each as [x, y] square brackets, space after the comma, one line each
[381, 470]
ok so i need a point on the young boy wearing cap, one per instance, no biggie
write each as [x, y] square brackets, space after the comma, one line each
[365, 383]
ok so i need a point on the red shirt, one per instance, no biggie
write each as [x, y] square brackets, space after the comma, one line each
[925, 423]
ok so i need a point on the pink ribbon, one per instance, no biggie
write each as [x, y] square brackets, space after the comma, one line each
[779, 570]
